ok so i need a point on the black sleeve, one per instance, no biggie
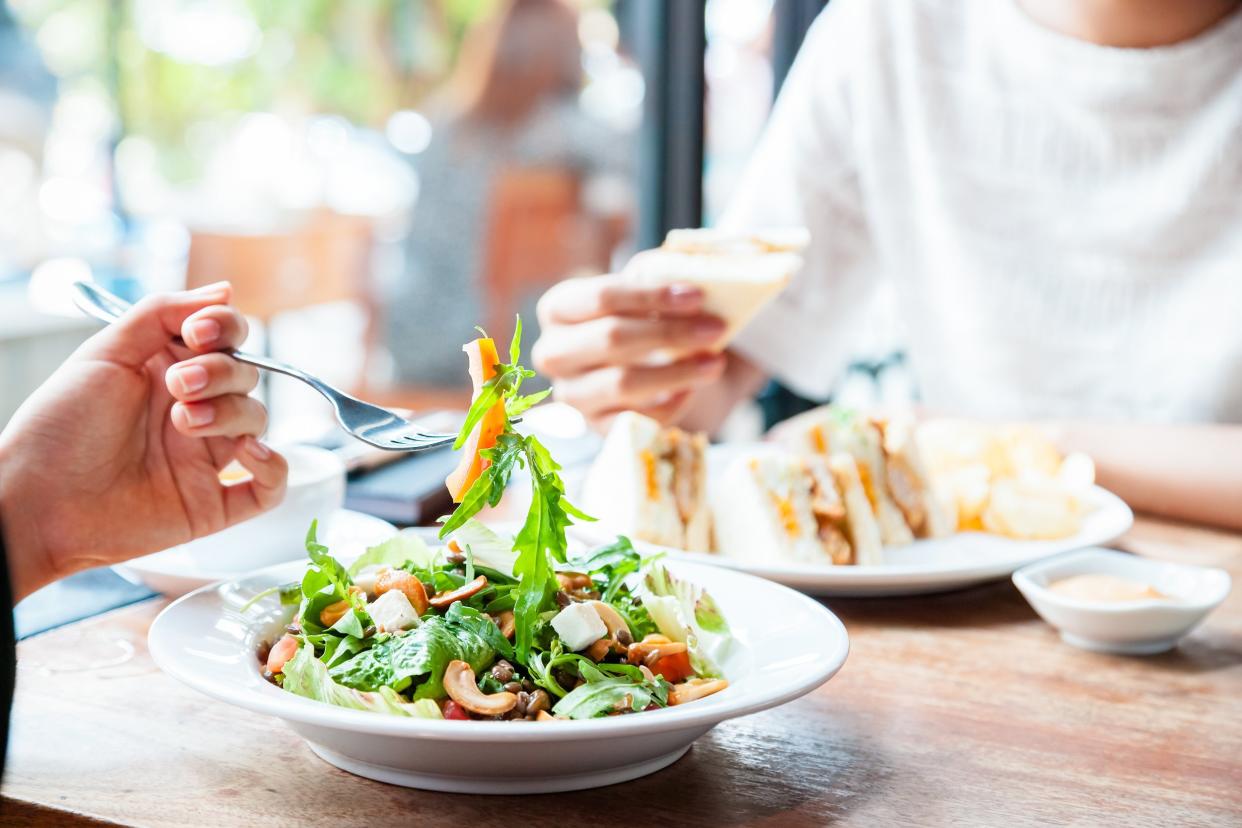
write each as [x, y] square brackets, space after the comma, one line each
[8, 652]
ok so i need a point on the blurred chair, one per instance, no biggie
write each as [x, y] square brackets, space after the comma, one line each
[538, 234]
[324, 259]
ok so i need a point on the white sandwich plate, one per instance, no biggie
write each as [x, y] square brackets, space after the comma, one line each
[925, 566]
[787, 645]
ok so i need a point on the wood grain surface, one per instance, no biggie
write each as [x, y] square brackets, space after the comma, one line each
[957, 709]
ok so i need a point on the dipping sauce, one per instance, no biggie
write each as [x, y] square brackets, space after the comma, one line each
[1105, 589]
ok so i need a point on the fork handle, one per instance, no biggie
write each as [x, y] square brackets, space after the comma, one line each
[98, 303]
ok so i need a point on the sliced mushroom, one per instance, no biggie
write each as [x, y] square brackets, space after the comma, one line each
[443, 599]
[574, 581]
[611, 618]
[459, 683]
[646, 651]
[407, 583]
[618, 632]
[695, 689]
[598, 650]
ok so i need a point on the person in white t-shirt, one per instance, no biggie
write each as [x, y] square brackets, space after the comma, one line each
[1053, 188]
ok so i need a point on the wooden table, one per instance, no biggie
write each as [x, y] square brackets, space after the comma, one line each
[959, 709]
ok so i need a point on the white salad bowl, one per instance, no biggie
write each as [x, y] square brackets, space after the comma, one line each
[1131, 627]
[786, 646]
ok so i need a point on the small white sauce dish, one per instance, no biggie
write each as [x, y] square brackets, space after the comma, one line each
[1130, 627]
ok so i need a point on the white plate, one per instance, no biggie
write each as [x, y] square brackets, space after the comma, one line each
[788, 645]
[175, 572]
[925, 566]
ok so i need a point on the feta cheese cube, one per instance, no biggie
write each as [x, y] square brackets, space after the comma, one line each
[393, 612]
[368, 577]
[579, 626]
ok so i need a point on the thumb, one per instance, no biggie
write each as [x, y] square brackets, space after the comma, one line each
[151, 325]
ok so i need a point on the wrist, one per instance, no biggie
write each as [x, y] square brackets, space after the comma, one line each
[25, 554]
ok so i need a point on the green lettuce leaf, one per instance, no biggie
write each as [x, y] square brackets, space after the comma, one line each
[488, 548]
[421, 655]
[307, 676]
[685, 612]
[401, 548]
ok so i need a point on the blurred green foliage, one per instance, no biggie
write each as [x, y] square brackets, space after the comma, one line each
[361, 59]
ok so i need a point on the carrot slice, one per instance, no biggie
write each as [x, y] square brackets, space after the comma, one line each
[483, 361]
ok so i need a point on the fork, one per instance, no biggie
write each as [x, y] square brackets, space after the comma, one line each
[369, 423]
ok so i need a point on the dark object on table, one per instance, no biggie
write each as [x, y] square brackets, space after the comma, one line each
[408, 492]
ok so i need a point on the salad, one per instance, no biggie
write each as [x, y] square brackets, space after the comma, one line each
[495, 627]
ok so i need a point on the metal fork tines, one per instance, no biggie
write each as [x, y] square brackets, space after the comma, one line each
[369, 423]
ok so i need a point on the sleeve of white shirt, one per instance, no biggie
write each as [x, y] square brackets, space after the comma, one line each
[803, 172]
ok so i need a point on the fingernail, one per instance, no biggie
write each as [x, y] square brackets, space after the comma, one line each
[190, 378]
[257, 449]
[684, 296]
[199, 414]
[214, 287]
[708, 328]
[203, 332]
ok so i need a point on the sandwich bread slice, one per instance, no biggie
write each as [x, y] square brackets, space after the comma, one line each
[650, 482]
[738, 273]
[926, 509]
[826, 431]
[777, 506]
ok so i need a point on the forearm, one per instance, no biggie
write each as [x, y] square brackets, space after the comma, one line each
[710, 405]
[1188, 472]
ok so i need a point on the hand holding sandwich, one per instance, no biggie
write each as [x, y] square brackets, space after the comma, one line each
[652, 338]
[610, 345]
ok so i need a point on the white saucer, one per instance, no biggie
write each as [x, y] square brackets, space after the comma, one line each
[174, 571]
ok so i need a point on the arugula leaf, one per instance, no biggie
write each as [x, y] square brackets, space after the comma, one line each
[520, 405]
[515, 344]
[508, 453]
[604, 694]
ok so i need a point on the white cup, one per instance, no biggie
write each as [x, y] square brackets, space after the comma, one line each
[315, 491]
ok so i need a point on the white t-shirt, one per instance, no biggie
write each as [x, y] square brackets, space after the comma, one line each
[1061, 222]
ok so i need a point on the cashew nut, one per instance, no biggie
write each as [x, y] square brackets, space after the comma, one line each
[460, 685]
[405, 582]
[695, 689]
